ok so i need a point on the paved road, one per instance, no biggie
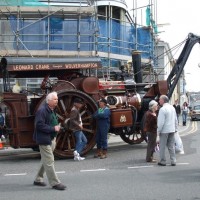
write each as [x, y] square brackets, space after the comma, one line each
[123, 175]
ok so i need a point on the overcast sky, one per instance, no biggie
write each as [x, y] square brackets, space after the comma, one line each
[181, 18]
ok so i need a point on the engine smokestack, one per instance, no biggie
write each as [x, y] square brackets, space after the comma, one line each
[136, 63]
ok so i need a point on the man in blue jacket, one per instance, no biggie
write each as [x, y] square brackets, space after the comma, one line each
[46, 129]
[102, 115]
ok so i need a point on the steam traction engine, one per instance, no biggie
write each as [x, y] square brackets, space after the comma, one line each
[128, 100]
[71, 78]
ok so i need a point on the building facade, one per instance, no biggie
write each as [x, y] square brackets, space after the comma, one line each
[75, 28]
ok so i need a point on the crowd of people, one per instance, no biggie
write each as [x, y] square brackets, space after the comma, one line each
[161, 124]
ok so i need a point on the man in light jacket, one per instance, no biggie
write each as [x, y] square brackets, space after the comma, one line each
[167, 125]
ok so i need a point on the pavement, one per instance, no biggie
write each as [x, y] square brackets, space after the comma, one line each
[113, 140]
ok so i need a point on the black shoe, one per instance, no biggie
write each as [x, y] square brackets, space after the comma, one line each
[161, 164]
[39, 183]
[173, 164]
[59, 186]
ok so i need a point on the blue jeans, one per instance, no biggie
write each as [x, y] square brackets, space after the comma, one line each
[102, 139]
[81, 141]
[184, 115]
[178, 118]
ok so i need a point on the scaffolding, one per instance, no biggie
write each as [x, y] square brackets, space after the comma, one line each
[45, 31]
[75, 28]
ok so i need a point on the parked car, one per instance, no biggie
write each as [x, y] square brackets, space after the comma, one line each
[195, 113]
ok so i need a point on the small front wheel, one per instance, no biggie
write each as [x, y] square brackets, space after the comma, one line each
[131, 136]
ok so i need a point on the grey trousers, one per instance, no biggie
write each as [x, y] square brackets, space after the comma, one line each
[167, 139]
[47, 159]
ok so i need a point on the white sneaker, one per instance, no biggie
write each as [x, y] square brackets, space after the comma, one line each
[3, 137]
[75, 157]
[79, 158]
[181, 152]
[76, 153]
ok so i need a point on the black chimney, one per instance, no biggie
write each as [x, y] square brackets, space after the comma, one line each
[137, 68]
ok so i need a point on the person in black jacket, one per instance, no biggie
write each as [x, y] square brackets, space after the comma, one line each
[46, 129]
[178, 109]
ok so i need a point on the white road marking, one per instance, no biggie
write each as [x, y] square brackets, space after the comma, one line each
[138, 167]
[96, 170]
[21, 174]
[182, 163]
[179, 164]
[92, 170]
[61, 172]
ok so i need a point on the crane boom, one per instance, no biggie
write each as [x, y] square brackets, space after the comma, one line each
[180, 63]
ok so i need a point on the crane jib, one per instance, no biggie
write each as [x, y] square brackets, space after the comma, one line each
[180, 63]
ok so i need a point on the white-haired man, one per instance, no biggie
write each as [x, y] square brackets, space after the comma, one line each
[167, 124]
[46, 129]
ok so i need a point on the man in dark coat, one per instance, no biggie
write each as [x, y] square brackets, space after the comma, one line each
[178, 109]
[46, 129]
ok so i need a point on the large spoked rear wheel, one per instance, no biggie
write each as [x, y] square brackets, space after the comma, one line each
[65, 144]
